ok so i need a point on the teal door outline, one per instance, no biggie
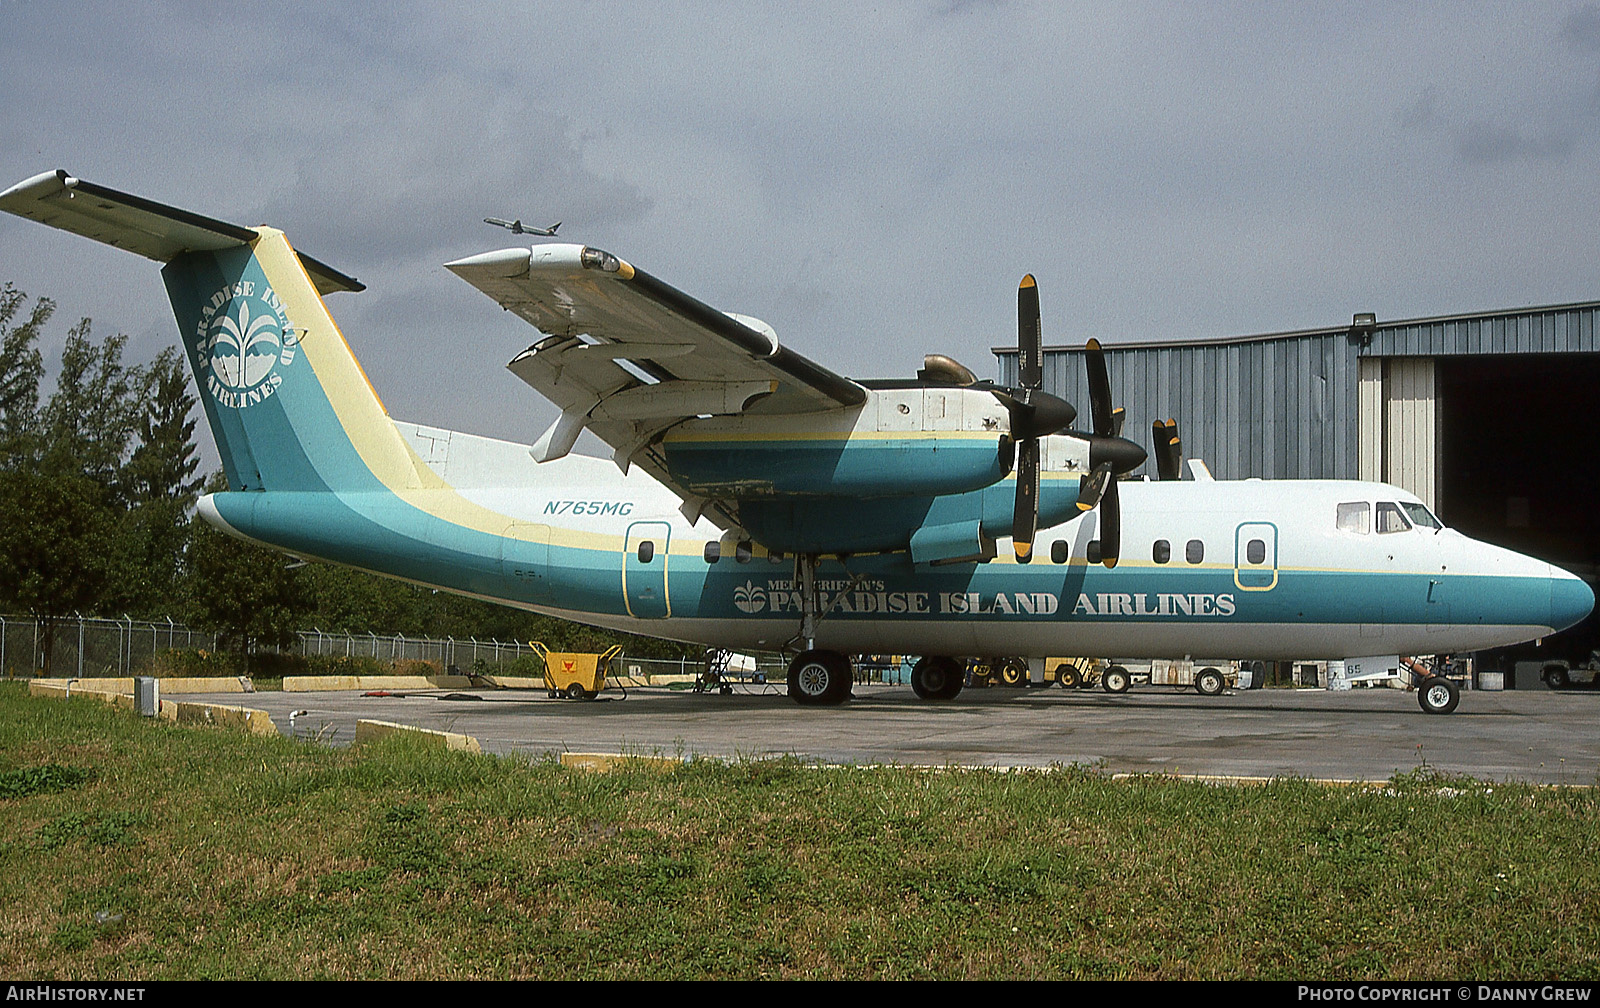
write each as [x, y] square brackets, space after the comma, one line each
[1255, 556]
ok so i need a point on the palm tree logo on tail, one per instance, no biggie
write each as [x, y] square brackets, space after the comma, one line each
[244, 343]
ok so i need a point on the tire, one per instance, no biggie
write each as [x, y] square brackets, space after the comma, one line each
[1067, 677]
[575, 692]
[1209, 682]
[1013, 672]
[819, 678]
[1438, 695]
[937, 678]
[1555, 677]
[1115, 680]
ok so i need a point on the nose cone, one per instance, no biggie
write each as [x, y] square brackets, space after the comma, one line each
[1570, 599]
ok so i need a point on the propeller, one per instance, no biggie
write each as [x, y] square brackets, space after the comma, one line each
[1169, 449]
[1034, 414]
[1110, 455]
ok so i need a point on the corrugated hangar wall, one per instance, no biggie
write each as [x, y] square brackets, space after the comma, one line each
[1352, 402]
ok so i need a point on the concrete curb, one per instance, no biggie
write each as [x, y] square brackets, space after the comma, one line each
[326, 683]
[367, 730]
[605, 762]
[246, 719]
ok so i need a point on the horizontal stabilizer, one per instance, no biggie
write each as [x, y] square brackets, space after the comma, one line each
[153, 230]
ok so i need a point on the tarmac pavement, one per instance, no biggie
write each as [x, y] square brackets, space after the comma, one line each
[1536, 736]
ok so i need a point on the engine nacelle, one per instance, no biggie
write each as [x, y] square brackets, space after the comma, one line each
[903, 442]
[934, 529]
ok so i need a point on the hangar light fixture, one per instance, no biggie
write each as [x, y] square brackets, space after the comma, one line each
[1362, 326]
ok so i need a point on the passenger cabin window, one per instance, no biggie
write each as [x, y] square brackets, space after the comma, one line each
[1195, 551]
[647, 551]
[776, 558]
[1355, 517]
[1060, 551]
[713, 551]
[1390, 519]
[741, 552]
[1161, 551]
[1093, 551]
[1420, 516]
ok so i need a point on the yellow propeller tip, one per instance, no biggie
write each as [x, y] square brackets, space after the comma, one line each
[1085, 507]
[1028, 281]
[1110, 563]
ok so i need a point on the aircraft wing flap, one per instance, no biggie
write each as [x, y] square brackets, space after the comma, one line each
[153, 230]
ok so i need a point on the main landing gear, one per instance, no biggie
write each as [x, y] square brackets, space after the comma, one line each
[817, 676]
[937, 678]
[820, 677]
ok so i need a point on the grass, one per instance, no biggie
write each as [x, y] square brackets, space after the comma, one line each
[140, 850]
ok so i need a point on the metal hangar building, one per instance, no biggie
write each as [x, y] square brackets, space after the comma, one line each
[1487, 417]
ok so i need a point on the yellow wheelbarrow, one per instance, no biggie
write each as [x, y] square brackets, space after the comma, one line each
[574, 675]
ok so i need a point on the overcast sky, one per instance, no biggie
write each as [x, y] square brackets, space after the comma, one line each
[872, 181]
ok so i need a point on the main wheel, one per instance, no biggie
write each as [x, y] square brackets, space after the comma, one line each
[1209, 682]
[937, 678]
[1438, 695]
[1067, 676]
[819, 678]
[1555, 677]
[1115, 680]
[1013, 672]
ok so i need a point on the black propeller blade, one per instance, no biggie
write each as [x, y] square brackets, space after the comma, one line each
[1110, 455]
[1027, 418]
[1169, 449]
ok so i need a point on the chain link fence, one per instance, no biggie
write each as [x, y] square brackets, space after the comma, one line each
[88, 647]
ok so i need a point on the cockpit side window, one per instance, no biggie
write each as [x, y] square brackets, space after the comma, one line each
[1390, 519]
[1420, 516]
[1355, 517]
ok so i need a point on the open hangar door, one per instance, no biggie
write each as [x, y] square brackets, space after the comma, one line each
[1519, 466]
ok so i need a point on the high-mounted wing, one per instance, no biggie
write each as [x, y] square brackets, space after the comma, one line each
[628, 356]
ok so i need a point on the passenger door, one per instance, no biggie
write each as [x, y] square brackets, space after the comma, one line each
[1255, 556]
[644, 570]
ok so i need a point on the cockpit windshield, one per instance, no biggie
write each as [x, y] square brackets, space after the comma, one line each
[1420, 516]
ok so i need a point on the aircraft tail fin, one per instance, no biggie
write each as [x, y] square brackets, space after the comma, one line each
[287, 401]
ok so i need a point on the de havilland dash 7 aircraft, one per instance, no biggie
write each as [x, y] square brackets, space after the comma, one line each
[757, 500]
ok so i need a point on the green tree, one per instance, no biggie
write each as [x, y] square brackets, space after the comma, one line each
[160, 487]
[89, 422]
[21, 369]
[53, 557]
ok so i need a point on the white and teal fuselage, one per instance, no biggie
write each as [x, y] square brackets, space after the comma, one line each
[1319, 592]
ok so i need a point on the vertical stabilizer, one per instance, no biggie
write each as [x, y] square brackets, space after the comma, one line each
[289, 405]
